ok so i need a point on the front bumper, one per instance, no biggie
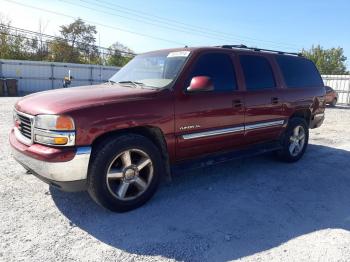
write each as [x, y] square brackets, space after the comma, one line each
[68, 175]
[317, 120]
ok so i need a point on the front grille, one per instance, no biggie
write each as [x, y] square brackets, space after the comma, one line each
[25, 126]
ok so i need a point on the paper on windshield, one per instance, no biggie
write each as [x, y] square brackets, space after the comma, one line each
[179, 54]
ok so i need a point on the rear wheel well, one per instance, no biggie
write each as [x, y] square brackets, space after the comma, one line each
[154, 134]
[304, 113]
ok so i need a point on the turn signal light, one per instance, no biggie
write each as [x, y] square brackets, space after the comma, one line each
[60, 140]
[47, 140]
[64, 123]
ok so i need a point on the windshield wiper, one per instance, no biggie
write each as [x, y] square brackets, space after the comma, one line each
[134, 83]
[111, 82]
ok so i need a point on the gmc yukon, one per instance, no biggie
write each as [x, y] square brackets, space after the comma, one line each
[164, 108]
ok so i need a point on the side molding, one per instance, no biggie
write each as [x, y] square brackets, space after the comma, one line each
[233, 129]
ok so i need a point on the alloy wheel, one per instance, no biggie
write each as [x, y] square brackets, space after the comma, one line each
[129, 174]
[297, 140]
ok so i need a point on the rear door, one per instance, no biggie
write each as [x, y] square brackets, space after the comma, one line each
[209, 121]
[264, 116]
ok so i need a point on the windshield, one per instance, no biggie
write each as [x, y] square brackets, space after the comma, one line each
[155, 70]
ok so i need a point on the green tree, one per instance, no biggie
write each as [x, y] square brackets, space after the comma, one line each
[14, 45]
[5, 51]
[118, 55]
[76, 44]
[328, 61]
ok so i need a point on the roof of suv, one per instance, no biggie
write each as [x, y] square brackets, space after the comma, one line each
[232, 47]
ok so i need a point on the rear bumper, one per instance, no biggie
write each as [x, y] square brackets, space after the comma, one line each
[317, 120]
[68, 175]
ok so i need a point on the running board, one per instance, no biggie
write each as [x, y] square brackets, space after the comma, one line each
[218, 158]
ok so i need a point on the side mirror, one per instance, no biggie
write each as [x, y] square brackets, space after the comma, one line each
[200, 84]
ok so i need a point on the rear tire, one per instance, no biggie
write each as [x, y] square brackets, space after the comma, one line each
[124, 172]
[294, 141]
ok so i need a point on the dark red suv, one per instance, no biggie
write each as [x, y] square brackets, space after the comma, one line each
[163, 110]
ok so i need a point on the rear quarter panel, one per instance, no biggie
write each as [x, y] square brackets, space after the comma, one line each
[296, 99]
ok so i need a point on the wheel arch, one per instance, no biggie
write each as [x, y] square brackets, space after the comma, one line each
[303, 113]
[153, 133]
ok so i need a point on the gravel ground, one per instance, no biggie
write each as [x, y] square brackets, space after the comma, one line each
[256, 209]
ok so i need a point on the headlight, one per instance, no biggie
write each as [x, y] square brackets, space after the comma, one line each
[14, 116]
[54, 122]
[15, 119]
[54, 130]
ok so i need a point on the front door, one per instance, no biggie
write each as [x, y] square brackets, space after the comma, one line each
[209, 121]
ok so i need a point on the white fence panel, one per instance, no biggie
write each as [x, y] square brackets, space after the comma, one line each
[34, 76]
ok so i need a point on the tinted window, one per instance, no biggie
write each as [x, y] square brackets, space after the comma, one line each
[219, 68]
[299, 72]
[257, 72]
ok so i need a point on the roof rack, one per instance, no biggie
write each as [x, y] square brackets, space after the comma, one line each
[259, 49]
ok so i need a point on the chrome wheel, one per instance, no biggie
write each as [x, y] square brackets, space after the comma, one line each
[129, 174]
[297, 141]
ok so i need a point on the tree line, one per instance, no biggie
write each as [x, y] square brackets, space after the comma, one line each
[76, 43]
[330, 61]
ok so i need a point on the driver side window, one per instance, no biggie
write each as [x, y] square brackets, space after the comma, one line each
[219, 68]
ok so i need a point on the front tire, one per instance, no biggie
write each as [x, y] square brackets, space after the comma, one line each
[294, 141]
[124, 172]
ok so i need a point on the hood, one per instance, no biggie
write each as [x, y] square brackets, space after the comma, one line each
[67, 99]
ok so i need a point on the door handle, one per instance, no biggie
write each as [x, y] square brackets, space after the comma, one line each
[237, 103]
[274, 100]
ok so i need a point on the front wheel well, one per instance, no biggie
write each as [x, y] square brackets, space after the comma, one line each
[154, 134]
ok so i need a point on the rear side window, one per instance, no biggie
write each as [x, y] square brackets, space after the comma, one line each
[257, 72]
[219, 68]
[299, 72]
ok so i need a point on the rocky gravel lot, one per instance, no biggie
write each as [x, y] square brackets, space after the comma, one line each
[255, 209]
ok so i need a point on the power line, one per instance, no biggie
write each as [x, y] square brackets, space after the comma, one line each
[63, 39]
[148, 21]
[95, 23]
[118, 28]
[172, 27]
[177, 23]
